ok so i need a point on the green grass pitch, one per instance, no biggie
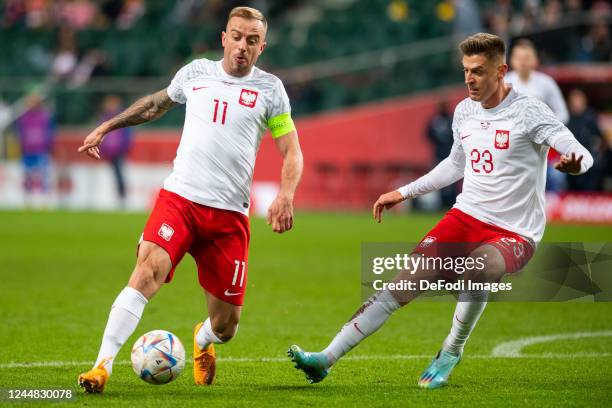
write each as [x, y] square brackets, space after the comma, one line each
[60, 272]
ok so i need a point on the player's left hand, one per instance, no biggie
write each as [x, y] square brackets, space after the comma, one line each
[386, 201]
[569, 164]
[280, 214]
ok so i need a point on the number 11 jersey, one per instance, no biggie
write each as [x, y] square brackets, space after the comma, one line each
[225, 120]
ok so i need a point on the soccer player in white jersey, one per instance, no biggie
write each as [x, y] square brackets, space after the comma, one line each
[203, 206]
[501, 139]
[527, 80]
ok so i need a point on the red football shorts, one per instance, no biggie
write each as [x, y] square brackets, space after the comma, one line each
[217, 239]
[460, 234]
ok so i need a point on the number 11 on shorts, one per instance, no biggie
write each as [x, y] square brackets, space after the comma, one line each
[237, 270]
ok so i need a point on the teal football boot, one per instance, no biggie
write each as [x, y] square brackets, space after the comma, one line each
[314, 365]
[437, 373]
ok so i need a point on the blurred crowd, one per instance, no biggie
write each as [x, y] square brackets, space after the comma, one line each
[81, 50]
[549, 24]
[75, 14]
[541, 18]
[100, 14]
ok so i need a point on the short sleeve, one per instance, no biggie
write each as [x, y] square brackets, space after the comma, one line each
[175, 89]
[280, 101]
[541, 122]
[279, 119]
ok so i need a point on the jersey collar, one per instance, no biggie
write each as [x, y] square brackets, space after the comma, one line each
[227, 76]
[504, 103]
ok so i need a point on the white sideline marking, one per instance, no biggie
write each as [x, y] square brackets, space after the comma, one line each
[43, 364]
[512, 349]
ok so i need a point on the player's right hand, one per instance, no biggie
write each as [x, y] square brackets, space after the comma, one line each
[91, 143]
[280, 214]
[386, 201]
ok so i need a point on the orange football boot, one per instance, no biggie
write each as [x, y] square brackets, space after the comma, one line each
[204, 361]
[93, 381]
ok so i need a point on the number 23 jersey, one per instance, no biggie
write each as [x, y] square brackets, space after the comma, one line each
[505, 150]
[225, 120]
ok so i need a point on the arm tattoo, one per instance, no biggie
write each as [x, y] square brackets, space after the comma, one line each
[143, 110]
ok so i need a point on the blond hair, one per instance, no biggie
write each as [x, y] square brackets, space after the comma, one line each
[484, 43]
[249, 13]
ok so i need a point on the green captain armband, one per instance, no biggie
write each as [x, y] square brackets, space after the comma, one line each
[281, 125]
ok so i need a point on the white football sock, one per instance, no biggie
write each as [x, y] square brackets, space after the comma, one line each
[205, 335]
[470, 306]
[122, 321]
[372, 314]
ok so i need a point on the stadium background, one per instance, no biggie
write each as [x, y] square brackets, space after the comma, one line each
[364, 78]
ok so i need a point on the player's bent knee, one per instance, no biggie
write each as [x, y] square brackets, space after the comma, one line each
[153, 263]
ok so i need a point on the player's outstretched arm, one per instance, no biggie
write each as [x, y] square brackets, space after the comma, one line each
[280, 212]
[447, 172]
[145, 109]
[386, 201]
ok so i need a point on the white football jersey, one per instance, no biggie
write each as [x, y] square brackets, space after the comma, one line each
[542, 87]
[225, 120]
[505, 150]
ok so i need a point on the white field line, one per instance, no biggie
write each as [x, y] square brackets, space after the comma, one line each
[387, 357]
[509, 349]
[514, 348]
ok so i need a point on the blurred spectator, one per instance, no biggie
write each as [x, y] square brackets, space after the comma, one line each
[596, 46]
[116, 144]
[498, 16]
[525, 20]
[131, 12]
[77, 14]
[30, 13]
[583, 124]
[185, 10]
[38, 13]
[601, 7]
[13, 12]
[553, 11]
[573, 7]
[525, 79]
[36, 130]
[65, 59]
[440, 135]
[467, 18]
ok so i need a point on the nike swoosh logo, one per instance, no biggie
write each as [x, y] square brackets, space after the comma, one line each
[468, 135]
[358, 329]
[197, 88]
[228, 293]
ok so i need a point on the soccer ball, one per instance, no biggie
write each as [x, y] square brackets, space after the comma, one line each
[158, 357]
